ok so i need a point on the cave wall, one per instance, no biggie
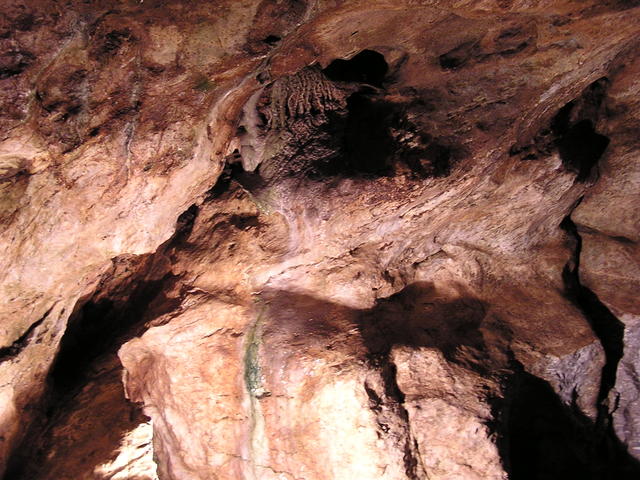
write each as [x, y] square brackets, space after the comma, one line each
[324, 239]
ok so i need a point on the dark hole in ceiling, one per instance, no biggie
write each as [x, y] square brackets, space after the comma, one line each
[368, 67]
[581, 148]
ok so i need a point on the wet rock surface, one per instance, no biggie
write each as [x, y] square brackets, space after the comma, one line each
[312, 240]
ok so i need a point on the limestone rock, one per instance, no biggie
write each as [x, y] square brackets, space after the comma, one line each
[365, 239]
[608, 224]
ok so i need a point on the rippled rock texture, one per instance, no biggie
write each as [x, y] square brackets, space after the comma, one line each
[285, 239]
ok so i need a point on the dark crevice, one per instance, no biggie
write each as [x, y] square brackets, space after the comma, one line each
[184, 224]
[126, 297]
[97, 327]
[271, 40]
[607, 327]
[232, 176]
[368, 144]
[368, 67]
[581, 147]
[458, 56]
[11, 351]
[607, 456]
[232, 171]
[546, 439]
[394, 400]
[572, 131]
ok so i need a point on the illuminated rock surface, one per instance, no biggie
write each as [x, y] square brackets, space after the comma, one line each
[319, 240]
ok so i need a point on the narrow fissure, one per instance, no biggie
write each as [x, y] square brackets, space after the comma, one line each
[547, 439]
[393, 399]
[605, 324]
[11, 351]
[608, 456]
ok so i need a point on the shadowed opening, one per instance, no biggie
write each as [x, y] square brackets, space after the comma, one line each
[581, 148]
[368, 66]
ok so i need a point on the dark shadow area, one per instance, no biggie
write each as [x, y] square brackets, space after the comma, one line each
[368, 67]
[547, 440]
[376, 141]
[572, 132]
[232, 171]
[614, 460]
[581, 147]
[418, 316]
[511, 41]
[550, 441]
[457, 57]
[370, 139]
[92, 330]
[84, 431]
[111, 42]
[272, 40]
[539, 438]
[85, 378]
[607, 327]
[368, 145]
[14, 63]
[354, 142]
[85, 381]
[339, 122]
[431, 159]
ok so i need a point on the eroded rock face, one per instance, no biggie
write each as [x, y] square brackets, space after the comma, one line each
[375, 240]
[610, 259]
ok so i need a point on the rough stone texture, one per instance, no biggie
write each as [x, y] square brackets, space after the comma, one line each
[449, 415]
[97, 435]
[364, 239]
[608, 223]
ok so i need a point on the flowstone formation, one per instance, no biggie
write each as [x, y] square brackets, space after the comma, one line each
[284, 239]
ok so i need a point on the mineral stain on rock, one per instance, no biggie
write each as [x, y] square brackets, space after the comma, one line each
[252, 369]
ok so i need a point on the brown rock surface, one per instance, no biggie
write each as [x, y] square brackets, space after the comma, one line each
[329, 240]
[608, 223]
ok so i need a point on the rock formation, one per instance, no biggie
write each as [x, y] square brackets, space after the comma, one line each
[285, 239]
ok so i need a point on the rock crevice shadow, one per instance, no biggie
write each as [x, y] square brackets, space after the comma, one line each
[538, 436]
